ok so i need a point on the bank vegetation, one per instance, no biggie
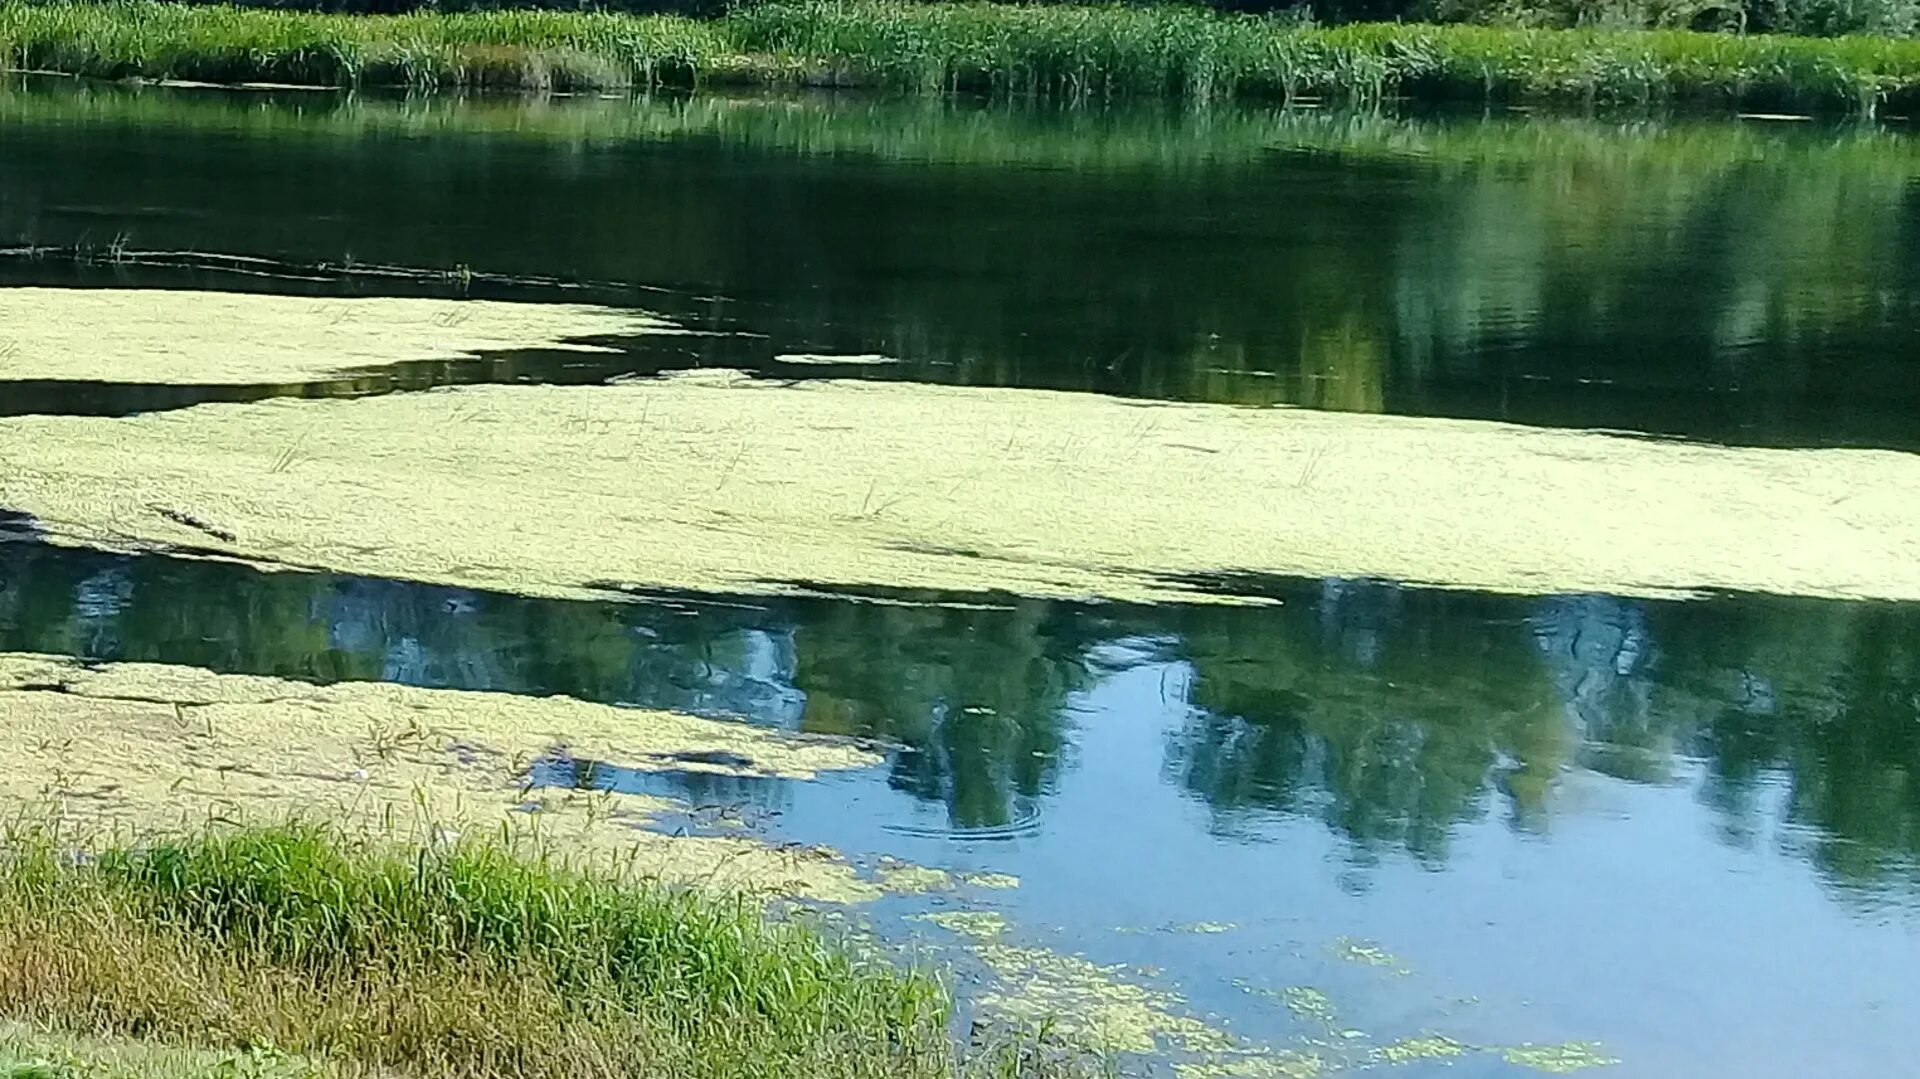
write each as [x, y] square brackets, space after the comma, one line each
[1061, 51]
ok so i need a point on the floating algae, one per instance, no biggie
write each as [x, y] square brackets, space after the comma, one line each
[1280, 1065]
[211, 338]
[716, 482]
[141, 746]
[976, 924]
[862, 359]
[1088, 1004]
[1367, 953]
[1353, 1049]
[1310, 1003]
[1091, 1003]
[1558, 1059]
[901, 877]
[1094, 1006]
[1425, 1047]
[993, 881]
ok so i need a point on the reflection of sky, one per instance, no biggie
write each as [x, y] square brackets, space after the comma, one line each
[1633, 922]
[1600, 659]
[430, 636]
[97, 602]
[1651, 909]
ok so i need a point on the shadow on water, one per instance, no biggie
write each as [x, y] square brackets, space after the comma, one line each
[610, 358]
[15, 525]
[584, 360]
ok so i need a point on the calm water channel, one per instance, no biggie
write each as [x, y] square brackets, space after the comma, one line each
[1689, 831]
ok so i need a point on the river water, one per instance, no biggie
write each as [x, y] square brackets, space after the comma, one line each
[1685, 830]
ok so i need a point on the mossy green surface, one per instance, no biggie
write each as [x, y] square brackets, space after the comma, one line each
[169, 337]
[716, 482]
[133, 747]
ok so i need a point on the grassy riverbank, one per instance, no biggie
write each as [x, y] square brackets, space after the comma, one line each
[294, 950]
[1074, 52]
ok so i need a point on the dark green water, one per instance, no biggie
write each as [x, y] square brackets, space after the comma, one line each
[1687, 830]
[1744, 283]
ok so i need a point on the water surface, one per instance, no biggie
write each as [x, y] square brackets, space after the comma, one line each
[1738, 282]
[1689, 831]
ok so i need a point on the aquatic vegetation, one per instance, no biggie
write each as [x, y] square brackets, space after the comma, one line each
[1286, 1065]
[976, 924]
[1558, 1059]
[477, 958]
[1075, 52]
[993, 881]
[137, 746]
[1091, 1003]
[1424, 1047]
[183, 337]
[1366, 953]
[722, 483]
[900, 877]
[1336, 1042]
[1310, 1004]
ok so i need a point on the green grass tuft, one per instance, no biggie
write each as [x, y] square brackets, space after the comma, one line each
[472, 961]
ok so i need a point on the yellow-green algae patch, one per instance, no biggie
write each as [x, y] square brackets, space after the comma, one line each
[161, 336]
[1274, 1065]
[1424, 1047]
[141, 746]
[902, 877]
[976, 924]
[1354, 1049]
[1089, 1004]
[717, 482]
[993, 881]
[1558, 1059]
[1367, 953]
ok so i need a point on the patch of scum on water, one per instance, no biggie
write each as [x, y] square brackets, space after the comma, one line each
[1337, 1045]
[1367, 953]
[165, 337]
[1095, 1005]
[993, 881]
[898, 876]
[716, 482]
[139, 746]
[1558, 1059]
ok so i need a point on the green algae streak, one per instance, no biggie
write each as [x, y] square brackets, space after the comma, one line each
[212, 338]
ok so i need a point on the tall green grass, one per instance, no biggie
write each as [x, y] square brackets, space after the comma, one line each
[1065, 51]
[1109, 51]
[474, 961]
[542, 50]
